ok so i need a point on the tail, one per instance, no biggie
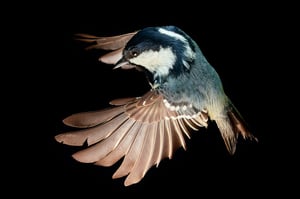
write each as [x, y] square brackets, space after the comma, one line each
[231, 126]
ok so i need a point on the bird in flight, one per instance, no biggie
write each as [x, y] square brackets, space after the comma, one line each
[185, 94]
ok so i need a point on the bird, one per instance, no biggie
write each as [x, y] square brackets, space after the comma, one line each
[185, 94]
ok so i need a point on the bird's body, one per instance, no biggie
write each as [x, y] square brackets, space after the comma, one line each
[185, 93]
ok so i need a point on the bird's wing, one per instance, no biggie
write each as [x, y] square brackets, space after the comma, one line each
[143, 130]
[114, 44]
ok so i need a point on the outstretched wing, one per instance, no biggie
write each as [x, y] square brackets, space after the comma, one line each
[143, 130]
[114, 44]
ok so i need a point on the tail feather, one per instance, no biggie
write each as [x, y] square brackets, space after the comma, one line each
[228, 134]
[231, 126]
[240, 126]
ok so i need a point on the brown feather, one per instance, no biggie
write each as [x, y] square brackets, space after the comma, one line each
[156, 158]
[142, 164]
[177, 131]
[228, 134]
[77, 138]
[239, 125]
[183, 127]
[112, 57]
[122, 101]
[147, 99]
[91, 135]
[92, 118]
[190, 124]
[163, 149]
[101, 149]
[122, 148]
[168, 132]
[86, 36]
[132, 154]
[106, 43]
[231, 127]
[115, 44]
[142, 130]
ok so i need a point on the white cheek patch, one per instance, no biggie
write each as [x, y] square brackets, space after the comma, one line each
[159, 62]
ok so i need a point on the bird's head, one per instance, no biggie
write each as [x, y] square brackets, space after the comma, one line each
[161, 51]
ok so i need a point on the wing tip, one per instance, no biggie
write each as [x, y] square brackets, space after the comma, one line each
[59, 138]
[69, 121]
[128, 183]
[80, 156]
[78, 122]
[69, 139]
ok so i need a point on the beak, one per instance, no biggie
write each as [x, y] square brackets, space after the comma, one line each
[124, 64]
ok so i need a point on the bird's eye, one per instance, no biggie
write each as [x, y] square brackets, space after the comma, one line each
[134, 54]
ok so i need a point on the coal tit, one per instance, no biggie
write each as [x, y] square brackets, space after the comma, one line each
[186, 92]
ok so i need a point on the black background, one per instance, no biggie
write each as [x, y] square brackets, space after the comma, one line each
[58, 78]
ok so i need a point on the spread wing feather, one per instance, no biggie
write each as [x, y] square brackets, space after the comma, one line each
[142, 131]
[114, 44]
[106, 43]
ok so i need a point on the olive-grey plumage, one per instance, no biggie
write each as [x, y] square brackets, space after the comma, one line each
[185, 93]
